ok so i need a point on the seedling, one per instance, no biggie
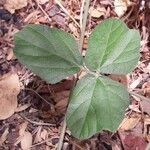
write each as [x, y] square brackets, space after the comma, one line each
[96, 102]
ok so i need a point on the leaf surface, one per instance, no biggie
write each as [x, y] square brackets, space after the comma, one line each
[50, 53]
[113, 48]
[96, 104]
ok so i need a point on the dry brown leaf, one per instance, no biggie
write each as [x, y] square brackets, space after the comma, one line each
[61, 95]
[25, 137]
[60, 20]
[23, 107]
[61, 99]
[145, 105]
[12, 5]
[135, 107]
[61, 105]
[22, 128]
[26, 141]
[130, 123]
[132, 141]
[121, 6]
[146, 86]
[38, 138]
[10, 88]
[96, 13]
[44, 134]
[73, 29]
[10, 54]
[32, 17]
[135, 83]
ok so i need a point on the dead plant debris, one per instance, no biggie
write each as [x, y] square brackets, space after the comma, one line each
[42, 122]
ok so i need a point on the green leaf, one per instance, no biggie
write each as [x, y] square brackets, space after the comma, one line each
[96, 104]
[50, 53]
[113, 48]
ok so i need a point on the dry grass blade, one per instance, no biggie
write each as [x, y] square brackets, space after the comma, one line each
[67, 13]
[140, 96]
[36, 123]
[49, 19]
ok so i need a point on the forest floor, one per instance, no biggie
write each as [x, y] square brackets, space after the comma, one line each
[32, 111]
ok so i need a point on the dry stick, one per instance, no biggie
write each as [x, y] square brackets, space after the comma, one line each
[37, 144]
[38, 95]
[73, 143]
[66, 12]
[86, 8]
[37, 123]
[62, 135]
[142, 90]
[126, 17]
[44, 12]
[140, 96]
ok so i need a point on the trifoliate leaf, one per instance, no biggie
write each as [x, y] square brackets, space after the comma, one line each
[96, 104]
[113, 48]
[50, 53]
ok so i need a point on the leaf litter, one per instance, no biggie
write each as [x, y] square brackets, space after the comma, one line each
[135, 15]
[10, 88]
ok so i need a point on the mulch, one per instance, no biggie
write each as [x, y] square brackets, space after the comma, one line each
[46, 103]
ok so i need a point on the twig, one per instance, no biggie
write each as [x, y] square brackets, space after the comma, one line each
[140, 96]
[42, 142]
[44, 12]
[73, 143]
[126, 17]
[36, 123]
[84, 21]
[60, 143]
[66, 12]
[38, 95]
[142, 90]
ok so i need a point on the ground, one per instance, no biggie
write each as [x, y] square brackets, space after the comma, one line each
[37, 121]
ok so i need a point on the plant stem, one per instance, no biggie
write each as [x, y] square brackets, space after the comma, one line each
[96, 74]
[86, 4]
[60, 143]
[84, 13]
